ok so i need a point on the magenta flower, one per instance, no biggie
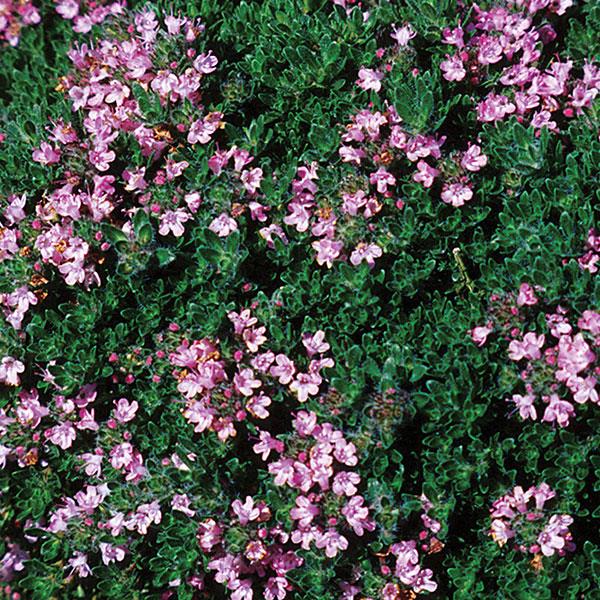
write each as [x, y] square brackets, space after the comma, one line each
[382, 178]
[9, 370]
[367, 253]
[304, 511]
[172, 221]
[124, 410]
[46, 154]
[369, 79]
[456, 194]
[425, 174]
[327, 251]
[453, 68]
[245, 512]
[473, 159]
[223, 225]
[529, 348]
[525, 404]
[284, 369]
[245, 383]
[526, 296]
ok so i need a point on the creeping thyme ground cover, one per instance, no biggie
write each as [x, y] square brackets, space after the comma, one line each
[299, 299]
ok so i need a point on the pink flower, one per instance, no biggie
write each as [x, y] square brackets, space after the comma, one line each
[525, 405]
[245, 512]
[304, 511]
[111, 553]
[46, 154]
[173, 220]
[305, 385]
[574, 354]
[473, 159]
[345, 482]
[425, 174]
[456, 194]
[251, 179]
[453, 68]
[9, 370]
[283, 470]
[555, 534]
[526, 296]
[266, 444]
[62, 435]
[284, 369]
[245, 383]
[206, 63]
[479, 334]
[241, 320]
[490, 50]
[125, 410]
[315, 343]
[357, 515]
[135, 179]
[402, 35]
[369, 79]
[78, 562]
[382, 178]
[590, 321]
[223, 225]
[253, 338]
[327, 251]
[181, 503]
[257, 406]
[332, 542]
[209, 534]
[367, 253]
[529, 348]
[93, 464]
[351, 155]
[558, 410]
[494, 108]
[200, 415]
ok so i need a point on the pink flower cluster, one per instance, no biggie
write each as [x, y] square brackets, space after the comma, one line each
[14, 15]
[558, 364]
[241, 183]
[401, 573]
[380, 139]
[260, 554]
[513, 38]
[87, 13]
[215, 401]
[316, 461]
[521, 516]
[142, 58]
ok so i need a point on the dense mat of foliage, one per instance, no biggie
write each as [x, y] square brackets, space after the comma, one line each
[299, 299]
